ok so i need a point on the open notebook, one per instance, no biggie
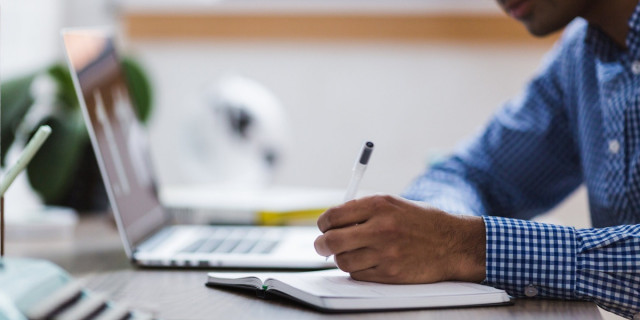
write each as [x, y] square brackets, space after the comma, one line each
[334, 290]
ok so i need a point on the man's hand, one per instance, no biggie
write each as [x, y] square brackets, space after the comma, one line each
[390, 240]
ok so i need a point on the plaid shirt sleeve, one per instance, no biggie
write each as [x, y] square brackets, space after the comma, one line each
[530, 259]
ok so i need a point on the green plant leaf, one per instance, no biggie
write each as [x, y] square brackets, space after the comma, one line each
[139, 88]
[66, 92]
[16, 101]
[53, 168]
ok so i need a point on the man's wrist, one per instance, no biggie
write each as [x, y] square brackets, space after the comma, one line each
[470, 250]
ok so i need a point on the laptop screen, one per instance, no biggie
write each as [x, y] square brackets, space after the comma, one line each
[118, 138]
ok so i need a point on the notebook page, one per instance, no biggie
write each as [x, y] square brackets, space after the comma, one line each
[338, 284]
[239, 278]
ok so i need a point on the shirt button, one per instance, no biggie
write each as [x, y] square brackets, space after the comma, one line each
[614, 146]
[530, 291]
[635, 67]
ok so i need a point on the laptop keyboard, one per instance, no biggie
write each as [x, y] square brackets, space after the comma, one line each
[236, 241]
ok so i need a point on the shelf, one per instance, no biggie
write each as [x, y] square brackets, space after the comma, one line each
[484, 27]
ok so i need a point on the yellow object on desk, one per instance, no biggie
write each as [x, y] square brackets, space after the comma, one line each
[295, 217]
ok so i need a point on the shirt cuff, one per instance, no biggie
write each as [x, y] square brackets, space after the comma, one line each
[530, 259]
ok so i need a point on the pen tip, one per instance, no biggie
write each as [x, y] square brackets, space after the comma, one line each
[366, 152]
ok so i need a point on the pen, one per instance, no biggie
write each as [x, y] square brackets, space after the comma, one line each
[27, 154]
[358, 172]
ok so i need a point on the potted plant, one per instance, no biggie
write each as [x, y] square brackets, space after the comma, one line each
[64, 172]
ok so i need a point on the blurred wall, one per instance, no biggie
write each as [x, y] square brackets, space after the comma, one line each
[415, 100]
[30, 35]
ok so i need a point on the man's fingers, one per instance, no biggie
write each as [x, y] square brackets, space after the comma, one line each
[344, 215]
[349, 213]
[380, 273]
[337, 241]
[371, 275]
[357, 260]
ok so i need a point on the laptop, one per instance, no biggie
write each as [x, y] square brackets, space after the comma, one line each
[121, 147]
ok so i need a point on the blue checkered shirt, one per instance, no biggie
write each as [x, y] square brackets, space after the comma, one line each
[577, 122]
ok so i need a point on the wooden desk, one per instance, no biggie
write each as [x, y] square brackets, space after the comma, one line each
[96, 257]
[183, 295]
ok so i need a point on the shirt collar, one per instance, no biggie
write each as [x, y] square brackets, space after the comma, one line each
[604, 47]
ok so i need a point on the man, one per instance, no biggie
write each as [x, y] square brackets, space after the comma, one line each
[578, 121]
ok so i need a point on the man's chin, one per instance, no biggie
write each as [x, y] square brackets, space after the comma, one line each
[542, 30]
[538, 33]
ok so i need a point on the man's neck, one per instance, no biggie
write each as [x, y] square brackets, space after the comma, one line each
[612, 17]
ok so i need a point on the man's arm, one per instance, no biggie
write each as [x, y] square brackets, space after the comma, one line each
[523, 163]
[391, 240]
